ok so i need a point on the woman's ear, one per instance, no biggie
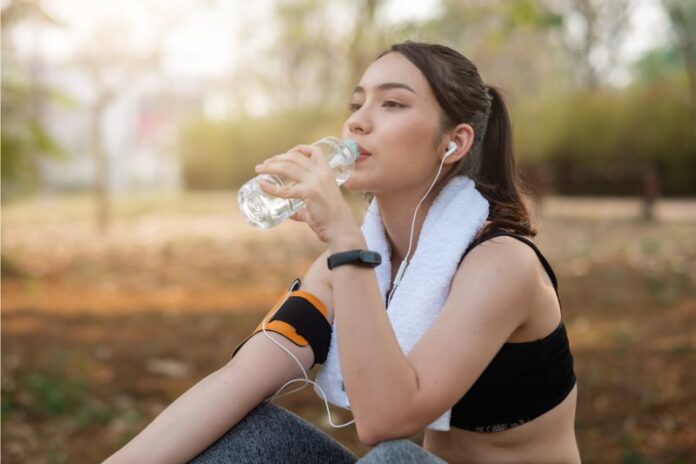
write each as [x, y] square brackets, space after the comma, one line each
[463, 136]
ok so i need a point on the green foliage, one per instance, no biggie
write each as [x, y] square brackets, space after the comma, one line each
[529, 13]
[8, 404]
[94, 415]
[24, 140]
[55, 394]
[657, 64]
[57, 457]
[634, 457]
[604, 141]
[219, 155]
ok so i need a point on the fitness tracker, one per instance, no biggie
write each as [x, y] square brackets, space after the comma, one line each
[365, 258]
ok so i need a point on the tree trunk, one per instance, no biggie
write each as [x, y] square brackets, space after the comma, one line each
[687, 46]
[101, 166]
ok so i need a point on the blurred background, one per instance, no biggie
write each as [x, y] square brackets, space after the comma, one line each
[128, 273]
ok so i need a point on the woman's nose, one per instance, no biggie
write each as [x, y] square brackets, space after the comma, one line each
[359, 123]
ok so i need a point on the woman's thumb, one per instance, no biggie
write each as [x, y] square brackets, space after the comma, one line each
[300, 215]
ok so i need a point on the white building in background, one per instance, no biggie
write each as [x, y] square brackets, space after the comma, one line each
[140, 131]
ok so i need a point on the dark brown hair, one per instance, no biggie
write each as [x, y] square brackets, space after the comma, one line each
[490, 163]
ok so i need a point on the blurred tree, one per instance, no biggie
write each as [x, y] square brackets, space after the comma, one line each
[591, 37]
[577, 128]
[24, 139]
[682, 14]
[319, 52]
[656, 64]
[113, 65]
[604, 141]
[367, 40]
[507, 40]
[304, 55]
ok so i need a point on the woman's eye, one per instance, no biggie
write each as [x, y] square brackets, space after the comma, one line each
[392, 104]
[387, 104]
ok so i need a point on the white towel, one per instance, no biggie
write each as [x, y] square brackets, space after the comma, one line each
[453, 221]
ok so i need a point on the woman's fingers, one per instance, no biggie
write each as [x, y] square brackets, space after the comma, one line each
[299, 154]
[275, 190]
[302, 167]
[299, 189]
[286, 169]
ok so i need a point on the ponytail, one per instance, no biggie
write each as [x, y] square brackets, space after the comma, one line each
[490, 163]
[497, 178]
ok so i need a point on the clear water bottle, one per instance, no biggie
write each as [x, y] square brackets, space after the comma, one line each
[264, 211]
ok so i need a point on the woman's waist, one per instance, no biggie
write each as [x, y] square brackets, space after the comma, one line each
[548, 438]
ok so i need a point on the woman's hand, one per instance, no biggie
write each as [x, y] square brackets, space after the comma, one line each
[325, 210]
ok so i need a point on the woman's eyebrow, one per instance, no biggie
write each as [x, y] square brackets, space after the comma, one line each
[385, 86]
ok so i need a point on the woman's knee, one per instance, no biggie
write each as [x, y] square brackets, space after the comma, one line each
[271, 434]
[251, 438]
[399, 451]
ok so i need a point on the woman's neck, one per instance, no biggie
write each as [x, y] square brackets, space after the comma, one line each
[397, 216]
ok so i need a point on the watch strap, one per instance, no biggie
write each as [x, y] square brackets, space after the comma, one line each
[365, 258]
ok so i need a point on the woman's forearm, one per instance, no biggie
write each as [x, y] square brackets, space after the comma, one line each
[378, 377]
[215, 404]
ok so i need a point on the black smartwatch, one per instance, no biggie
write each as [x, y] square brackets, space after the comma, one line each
[365, 258]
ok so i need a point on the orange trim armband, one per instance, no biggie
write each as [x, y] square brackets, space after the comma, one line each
[301, 318]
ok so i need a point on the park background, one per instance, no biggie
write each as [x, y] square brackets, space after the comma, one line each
[127, 126]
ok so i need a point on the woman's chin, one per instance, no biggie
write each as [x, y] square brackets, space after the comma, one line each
[358, 182]
[351, 185]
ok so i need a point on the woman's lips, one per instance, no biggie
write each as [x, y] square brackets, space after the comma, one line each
[363, 153]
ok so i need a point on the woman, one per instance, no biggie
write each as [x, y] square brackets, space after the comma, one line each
[494, 365]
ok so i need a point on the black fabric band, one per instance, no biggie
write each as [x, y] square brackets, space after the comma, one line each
[309, 323]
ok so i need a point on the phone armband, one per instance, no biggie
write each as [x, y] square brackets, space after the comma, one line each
[300, 317]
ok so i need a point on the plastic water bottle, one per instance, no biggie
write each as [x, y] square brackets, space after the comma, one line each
[264, 211]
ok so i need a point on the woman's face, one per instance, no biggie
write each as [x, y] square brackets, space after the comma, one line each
[396, 118]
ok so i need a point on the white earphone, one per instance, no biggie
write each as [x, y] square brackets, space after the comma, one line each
[451, 148]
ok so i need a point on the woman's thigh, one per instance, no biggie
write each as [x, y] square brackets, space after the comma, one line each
[400, 451]
[271, 434]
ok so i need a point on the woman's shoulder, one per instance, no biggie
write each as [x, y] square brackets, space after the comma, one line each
[501, 263]
[503, 243]
[509, 267]
[501, 250]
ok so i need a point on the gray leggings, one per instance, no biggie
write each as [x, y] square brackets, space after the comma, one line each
[271, 434]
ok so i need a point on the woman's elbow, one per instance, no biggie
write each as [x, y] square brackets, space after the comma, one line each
[366, 436]
[372, 433]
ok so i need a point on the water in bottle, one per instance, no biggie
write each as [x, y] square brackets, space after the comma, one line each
[263, 210]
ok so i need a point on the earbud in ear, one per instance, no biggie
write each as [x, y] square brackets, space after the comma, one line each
[451, 148]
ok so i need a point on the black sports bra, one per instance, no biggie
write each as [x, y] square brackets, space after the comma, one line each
[524, 380]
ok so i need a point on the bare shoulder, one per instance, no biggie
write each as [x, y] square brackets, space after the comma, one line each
[506, 269]
[317, 281]
[500, 274]
[504, 253]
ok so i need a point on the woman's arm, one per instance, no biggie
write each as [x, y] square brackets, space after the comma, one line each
[219, 401]
[215, 404]
[393, 395]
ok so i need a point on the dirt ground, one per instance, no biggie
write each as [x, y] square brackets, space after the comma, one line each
[101, 331]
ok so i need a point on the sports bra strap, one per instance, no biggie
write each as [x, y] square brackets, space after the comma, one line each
[501, 232]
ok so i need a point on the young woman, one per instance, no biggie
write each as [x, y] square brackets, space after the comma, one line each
[496, 356]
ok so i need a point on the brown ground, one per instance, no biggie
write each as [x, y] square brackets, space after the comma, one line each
[99, 333]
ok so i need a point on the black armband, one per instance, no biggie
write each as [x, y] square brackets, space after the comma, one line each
[301, 318]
